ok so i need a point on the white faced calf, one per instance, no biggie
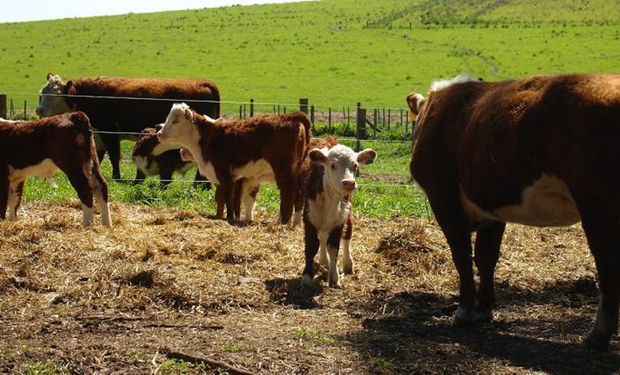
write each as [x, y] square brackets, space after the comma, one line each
[327, 213]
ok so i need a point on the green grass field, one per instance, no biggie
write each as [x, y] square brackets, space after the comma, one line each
[335, 52]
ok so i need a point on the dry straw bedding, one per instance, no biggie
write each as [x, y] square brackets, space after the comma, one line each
[162, 280]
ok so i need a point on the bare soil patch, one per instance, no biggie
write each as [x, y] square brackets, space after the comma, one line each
[166, 281]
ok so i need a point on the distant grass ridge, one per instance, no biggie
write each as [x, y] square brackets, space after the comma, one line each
[335, 52]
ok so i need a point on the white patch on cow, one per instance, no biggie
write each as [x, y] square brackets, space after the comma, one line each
[443, 83]
[163, 147]
[206, 169]
[546, 202]
[142, 162]
[259, 170]
[45, 169]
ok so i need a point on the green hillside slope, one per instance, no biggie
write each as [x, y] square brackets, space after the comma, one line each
[336, 52]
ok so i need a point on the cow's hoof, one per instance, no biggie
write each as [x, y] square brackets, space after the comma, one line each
[334, 284]
[465, 317]
[347, 269]
[596, 340]
[484, 315]
[306, 280]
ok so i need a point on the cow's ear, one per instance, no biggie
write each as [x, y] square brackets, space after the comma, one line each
[68, 87]
[366, 156]
[188, 114]
[49, 75]
[414, 102]
[317, 155]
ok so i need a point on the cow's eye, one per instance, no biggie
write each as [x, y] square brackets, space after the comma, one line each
[333, 166]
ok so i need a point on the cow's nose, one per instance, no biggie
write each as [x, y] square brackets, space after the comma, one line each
[348, 185]
[39, 112]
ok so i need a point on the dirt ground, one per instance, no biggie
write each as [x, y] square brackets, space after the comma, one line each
[165, 284]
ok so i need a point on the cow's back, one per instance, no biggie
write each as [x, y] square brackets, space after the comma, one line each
[493, 140]
[132, 104]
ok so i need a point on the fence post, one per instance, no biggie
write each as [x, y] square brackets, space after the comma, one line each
[25, 110]
[3, 105]
[303, 105]
[361, 126]
[312, 114]
[251, 107]
[389, 118]
[329, 120]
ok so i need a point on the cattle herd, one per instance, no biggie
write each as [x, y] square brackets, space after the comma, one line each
[538, 151]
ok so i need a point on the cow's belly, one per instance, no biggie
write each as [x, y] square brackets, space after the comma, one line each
[44, 169]
[258, 170]
[546, 202]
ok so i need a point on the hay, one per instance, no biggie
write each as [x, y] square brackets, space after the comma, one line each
[162, 277]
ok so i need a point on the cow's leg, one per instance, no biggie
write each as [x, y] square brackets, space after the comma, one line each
[82, 185]
[323, 260]
[100, 189]
[248, 196]
[165, 175]
[311, 240]
[486, 254]
[220, 201]
[333, 244]
[455, 226]
[347, 259]
[113, 145]
[140, 177]
[237, 197]
[300, 200]
[603, 234]
[4, 190]
[287, 188]
[16, 190]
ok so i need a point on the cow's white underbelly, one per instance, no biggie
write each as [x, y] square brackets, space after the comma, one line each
[45, 169]
[259, 171]
[547, 202]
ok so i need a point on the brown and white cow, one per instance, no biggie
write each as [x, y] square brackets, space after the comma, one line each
[125, 105]
[540, 151]
[267, 148]
[39, 148]
[327, 213]
[152, 158]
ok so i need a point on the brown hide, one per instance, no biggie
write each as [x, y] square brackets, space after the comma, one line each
[489, 141]
[66, 140]
[133, 115]
[281, 140]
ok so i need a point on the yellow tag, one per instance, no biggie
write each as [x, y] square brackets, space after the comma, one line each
[412, 116]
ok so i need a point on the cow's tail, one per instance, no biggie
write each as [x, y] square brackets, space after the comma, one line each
[300, 194]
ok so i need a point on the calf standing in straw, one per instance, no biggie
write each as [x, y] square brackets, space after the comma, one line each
[40, 148]
[327, 213]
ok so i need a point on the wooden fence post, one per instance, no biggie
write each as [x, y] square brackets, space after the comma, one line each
[303, 105]
[312, 114]
[3, 105]
[251, 107]
[361, 127]
[329, 120]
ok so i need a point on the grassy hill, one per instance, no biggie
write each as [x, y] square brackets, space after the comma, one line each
[336, 52]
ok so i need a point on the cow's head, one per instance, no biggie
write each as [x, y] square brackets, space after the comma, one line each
[341, 166]
[51, 99]
[179, 127]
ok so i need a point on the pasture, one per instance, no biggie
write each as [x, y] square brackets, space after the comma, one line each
[172, 290]
[167, 283]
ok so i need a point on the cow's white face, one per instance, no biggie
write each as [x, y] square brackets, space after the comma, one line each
[179, 127]
[50, 100]
[341, 166]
